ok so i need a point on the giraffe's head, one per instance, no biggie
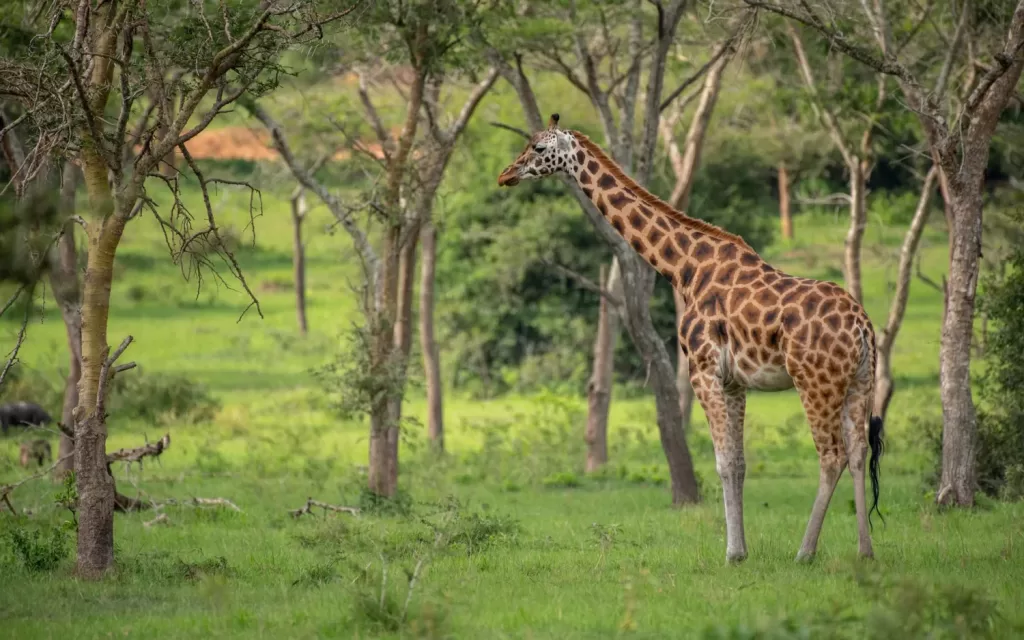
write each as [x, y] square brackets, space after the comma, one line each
[549, 151]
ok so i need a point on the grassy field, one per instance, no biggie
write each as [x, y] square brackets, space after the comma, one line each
[509, 539]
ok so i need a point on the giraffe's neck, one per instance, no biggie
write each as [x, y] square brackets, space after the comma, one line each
[673, 243]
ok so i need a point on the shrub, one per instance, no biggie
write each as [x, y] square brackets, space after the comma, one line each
[38, 550]
[160, 398]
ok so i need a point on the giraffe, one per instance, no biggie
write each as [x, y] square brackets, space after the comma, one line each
[747, 325]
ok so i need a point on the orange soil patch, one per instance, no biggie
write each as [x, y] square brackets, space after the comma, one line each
[252, 144]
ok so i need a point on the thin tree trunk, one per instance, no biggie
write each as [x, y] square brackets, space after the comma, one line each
[428, 343]
[66, 291]
[299, 209]
[94, 483]
[960, 425]
[785, 214]
[884, 385]
[855, 234]
[599, 389]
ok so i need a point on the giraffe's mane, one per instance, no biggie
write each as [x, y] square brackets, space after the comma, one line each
[652, 200]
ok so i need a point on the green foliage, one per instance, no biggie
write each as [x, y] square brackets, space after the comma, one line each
[1001, 421]
[160, 398]
[37, 549]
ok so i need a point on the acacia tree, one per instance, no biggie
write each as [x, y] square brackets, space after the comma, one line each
[80, 84]
[988, 53]
[587, 57]
[423, 36]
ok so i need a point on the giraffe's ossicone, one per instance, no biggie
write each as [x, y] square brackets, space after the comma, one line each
[746, 325]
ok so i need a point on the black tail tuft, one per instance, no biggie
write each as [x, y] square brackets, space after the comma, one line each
[876, 440]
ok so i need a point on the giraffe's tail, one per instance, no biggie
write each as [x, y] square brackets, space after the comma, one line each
[876, 429]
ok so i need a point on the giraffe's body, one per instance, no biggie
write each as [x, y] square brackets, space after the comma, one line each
[746, 326]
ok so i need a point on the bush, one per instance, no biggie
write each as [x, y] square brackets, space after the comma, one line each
[38, 550]
[160, 398]
[1001, 418]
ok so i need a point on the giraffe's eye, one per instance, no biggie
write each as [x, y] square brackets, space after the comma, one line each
[539, 148]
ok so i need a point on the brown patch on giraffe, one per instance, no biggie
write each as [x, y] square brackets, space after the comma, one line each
[849, 320]
[686, 273]
[783, 285]
[746, 277]
[840, 353]
[696, 333]
[637, 244]
[619, 224]
[816, 330]
[752, 314]
[801, 334]
[580, 156]
[712, 302]
[684, 326]
[727, 251]
[725, 274]
[770, 277]
[773, 338]
[668, 252]
[719, 332]
[827, 340]
[810, 303]
[636, 220]
[738, 296]
[682, 241]
[592, 167]
[749, 259]
[790, 318]
[655, 235]
[766, 297]
[644, 211]
[826, 307]
[584, 178]
[619, 200]
[587, 191]
[702, 251]
[844, 305]
[771, 315]
[845, 340]
[756, 335]
[747, 367]
[607, 181]
[703, 279]
[833, 321]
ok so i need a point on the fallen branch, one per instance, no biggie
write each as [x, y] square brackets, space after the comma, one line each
[310, 503]
[160, 519]
[125, 504]
[5, 491]
[154, 449]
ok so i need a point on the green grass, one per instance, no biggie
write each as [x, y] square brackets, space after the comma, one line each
[535, 549]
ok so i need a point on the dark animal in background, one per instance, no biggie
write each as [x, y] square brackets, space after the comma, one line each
[22, 414]
[38, 450]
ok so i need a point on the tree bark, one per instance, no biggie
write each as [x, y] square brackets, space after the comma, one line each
[67, 293]
[428, 342]
[599, 389]
[785, 214]
[884, 385]
[855, 234]
[299, 209]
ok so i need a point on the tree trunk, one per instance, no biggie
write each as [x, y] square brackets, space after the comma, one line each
[94, 483]
[299, 209]
[428, 343]
[855, 234]
[66, 291]
[599, 389]
[884, 385]
[959, 434]
[384, 413]
[785, 215]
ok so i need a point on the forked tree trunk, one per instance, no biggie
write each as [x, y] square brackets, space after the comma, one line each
[785, 214]
[67, 293]
[855, 233]
[599, 389]
[428, 341]
[299, 209]
[884, 385]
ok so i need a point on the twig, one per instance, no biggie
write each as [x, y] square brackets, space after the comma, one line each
[412, 587]
[508, 127]
[160, 519]
[310, 503]
[106, 374]
[6, 490]
[17, 345]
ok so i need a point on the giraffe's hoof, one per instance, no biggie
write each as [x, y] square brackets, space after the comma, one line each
[735, 557]
[805, 557]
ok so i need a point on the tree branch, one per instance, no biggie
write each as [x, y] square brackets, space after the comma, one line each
[587, 284]
[150, 449]
[310, 503]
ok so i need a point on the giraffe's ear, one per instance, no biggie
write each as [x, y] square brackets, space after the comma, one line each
[553, 122]
[563, 141]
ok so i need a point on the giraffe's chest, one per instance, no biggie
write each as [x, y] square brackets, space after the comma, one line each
[755, 368]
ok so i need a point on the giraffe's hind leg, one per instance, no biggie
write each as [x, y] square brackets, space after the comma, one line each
[854, 419]
[823, 408]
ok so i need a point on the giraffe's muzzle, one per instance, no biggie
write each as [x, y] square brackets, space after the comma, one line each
[509, 177]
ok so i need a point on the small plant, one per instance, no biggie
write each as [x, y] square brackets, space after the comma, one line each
[161, 398]
[67, 498]
[561, 480]
[39, 551]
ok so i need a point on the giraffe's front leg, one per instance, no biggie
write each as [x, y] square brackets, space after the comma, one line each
[725, 410]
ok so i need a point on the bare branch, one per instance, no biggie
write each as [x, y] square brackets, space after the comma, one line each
[947, 64]
[152, 449]
[310, 503]
[372, 114]
[472, 102]
[6, 489]
[728, 47]
[587, 284]
[508, 127]
[13, 357]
